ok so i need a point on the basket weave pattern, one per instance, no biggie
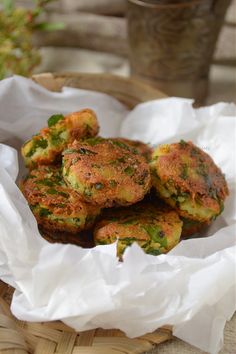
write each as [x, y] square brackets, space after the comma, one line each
[57, 338]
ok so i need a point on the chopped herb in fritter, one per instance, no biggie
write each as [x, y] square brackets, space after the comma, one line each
[153, 251]
[52, 191]
[120, 144]
[202, 169]
[94, 141]
[44, 212]
[112, 183]
[45, 182]
[41, 143]
[128, 240]
[118, 161]
[183, 143]
[129, 170]
[154, 232]
[56, 138]
[184, 171]
[84, 151]
[54, 119]
[87, 193]
[70, 151]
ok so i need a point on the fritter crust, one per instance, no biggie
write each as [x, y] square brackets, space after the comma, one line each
[56, 206]
[138, 147]
[188, 180]
[105, 172]
[46, 147]
[156, 230]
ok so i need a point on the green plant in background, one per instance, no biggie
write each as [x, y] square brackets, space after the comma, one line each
[17, 25]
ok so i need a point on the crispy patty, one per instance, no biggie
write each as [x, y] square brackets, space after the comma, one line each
[138, 147]
[188, 180]
[46, 147]
[105, 172]
[55, 205]
[156, 230]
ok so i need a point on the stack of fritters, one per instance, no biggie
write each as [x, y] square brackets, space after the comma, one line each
[79, 181]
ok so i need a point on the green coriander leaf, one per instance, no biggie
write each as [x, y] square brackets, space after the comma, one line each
[84, 151]
[54, 119]
[184, 171]
[128, 240]
[153, 251]
[44, 212]
[94, 141]
[112, 183]
[52, 191]
[182, 143]
[156, 234]
[41, 143]
[129, 170]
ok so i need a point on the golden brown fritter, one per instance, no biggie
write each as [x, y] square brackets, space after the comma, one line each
[105, 173]
[137, 147]
[156, 230]
[188, 180]
[56, 206]
[46, 147]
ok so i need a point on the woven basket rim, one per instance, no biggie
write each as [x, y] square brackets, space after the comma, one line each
[135, 81]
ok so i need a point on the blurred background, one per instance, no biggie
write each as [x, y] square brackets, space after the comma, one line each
[125, 37]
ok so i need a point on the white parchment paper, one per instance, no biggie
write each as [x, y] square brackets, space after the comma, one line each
[191, 288]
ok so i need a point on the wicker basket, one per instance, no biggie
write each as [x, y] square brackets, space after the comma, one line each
[55, 337]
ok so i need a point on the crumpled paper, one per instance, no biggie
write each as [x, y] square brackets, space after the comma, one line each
[191, 288]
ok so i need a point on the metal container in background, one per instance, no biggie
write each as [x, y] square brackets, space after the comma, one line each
[172, 43]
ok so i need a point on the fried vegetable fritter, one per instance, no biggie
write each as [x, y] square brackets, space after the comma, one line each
[138, 147]
[46, 147]
[156, 230]
[189, 181]
[56, 206]
[105, 172]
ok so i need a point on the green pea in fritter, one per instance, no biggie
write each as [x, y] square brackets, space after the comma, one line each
[55, 205]
[156, 230]
[105, 172]
[46, 147]
[187, 179]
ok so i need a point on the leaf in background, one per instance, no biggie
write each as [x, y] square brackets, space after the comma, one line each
[17, 24]
[8, 6]
[45, 26]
